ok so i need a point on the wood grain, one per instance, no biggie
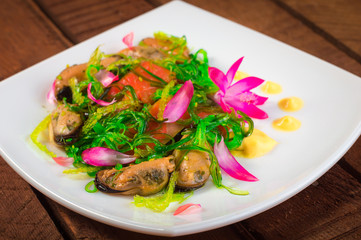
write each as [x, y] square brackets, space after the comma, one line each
[95, 230]
[339, 20]
[82, 19]
[25, 41]
[28, 39]
[22, 215]
[268, 18]
[328, 209]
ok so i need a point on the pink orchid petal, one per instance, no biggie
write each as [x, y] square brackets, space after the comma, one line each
[178, 105]
[244, 85]
[218, 77]
[219, 99]
[64, 161]
[101, 156]
[232, 71]
[245, 97]
[238, 95]
[106, 77]
[128, 39]
[260, 100]
[189, 208]
[100, 102]
[51, 94]
[249, 109]
[230, 165]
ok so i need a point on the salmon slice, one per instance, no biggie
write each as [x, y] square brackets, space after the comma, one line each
[143, 82]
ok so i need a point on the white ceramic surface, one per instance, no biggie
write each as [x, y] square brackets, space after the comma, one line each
[330, 122]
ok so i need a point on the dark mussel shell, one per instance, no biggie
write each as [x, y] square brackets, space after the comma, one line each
[145, 178]
[65, 92]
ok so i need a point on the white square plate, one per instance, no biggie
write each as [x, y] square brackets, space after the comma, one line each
[330, 123]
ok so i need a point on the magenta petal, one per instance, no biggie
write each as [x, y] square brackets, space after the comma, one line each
[230, 165]
[245, 97]
[260, 100]
[218, 77]
[51, 94]
[106, 77]
[128, 39]
[178, 105]
[249, 109]
[101, 156]
[100, 102]
[232, 71]
[244, 85]
[64, 161]
[219, 99]
[189, 208]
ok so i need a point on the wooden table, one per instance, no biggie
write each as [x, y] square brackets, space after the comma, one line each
[33, 30]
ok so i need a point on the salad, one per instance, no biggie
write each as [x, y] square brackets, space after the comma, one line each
[154, 121]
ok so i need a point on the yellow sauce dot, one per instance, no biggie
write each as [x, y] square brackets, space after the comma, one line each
[240, 75]
[256, 145]
[271, 88]
[286, 123]
[290, 104]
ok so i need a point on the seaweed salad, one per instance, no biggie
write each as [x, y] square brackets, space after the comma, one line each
[154, 120]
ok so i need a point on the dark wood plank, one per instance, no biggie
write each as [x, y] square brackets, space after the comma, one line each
[82, 19]
[84, 228]
[21, 212]
[339, 20]
[268, 18]
[353, 157]
[328, 209]
[27, 38]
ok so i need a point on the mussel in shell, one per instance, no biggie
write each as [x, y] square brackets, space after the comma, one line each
[65, 125]
[193, 169]
[144, 179]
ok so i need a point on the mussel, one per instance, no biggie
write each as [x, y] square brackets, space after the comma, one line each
[193, 169]
[145, 52]
[65, 125]
[62, 88]
[144, 179]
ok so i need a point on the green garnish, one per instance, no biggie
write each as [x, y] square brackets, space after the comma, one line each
[43, 125]
[161, 201]
[90, 187]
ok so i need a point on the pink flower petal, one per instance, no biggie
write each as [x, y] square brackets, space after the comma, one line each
[128, 39]
[244, 85]
[178, 105]
[106, 77]
[232, 71]
[51, 94]
[249, 109]
[64, 161]
[218, 77]
[229, 164]
[219, 99]
[189, 208]
[100, 102]
[260, 100]
[238, 95]
[101, 156]
[245, 97]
